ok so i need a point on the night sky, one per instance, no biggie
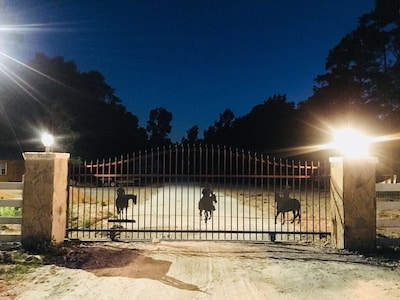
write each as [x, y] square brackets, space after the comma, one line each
[195, 58]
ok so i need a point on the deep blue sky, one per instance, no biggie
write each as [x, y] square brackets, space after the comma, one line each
[195, 58]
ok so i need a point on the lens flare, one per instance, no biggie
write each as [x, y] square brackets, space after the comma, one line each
[351, 143]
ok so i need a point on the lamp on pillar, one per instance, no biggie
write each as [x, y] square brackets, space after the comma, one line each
[47, 141]
[353, 206]
[351, 143]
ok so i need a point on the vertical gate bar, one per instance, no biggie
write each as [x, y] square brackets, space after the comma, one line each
[101, 194]
[91, 220]
[72, 188]
[313, 207]
[288, 184]
[319, 195]
[206, 183]
[237, 189]
[188, 161]
[281, 172]
[170, 184]
[306, 210]
[308, 216]
[313, 203]
[309, 195]
[158, 173]
[176, 183]
[203, 180]
[99, 198]
[131, 170]
[274, 189]
[243, 191]
[128, 174]
[81, 207]
[145, 170]
[197, 185]
[293, 173]
[230, 188]
[255, 172]
[182, 181]
[85, 195]
[268, 189]
[113, 171]
[70, 195]
[190, 185]
[306, 194]
[248, 188]
[108, 168]
[224, 189]
[137, 169]
[322, 178]
[297, 195]
[218, 182]
[193, 189]
[151, 178]
[318, 165]
[75, 201]
[326, 181]
[213, 173]
[169, 189]
[262, 193]
[82, 184]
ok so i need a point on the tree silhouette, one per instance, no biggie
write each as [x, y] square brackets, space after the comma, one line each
[192, 135]
[221, 131]
[159, 126]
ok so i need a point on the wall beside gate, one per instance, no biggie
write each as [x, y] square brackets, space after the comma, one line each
[159, 192]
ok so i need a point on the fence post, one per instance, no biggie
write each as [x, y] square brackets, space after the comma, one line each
[44, 199]
[353, 206]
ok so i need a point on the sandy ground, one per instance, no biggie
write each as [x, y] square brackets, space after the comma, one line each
[209, 270]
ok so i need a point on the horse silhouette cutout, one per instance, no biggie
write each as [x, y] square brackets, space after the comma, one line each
[206, 204]
[285, 204]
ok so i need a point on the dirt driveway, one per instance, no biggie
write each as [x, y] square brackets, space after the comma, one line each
[210, 270]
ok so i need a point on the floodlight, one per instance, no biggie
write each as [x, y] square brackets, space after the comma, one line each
[351, 143]
[47, 141]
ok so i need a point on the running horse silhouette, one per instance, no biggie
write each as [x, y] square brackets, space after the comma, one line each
[206, 204]
[122, 202]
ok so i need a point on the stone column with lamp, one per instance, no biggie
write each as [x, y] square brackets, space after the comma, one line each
[44, 199]
[353, 206]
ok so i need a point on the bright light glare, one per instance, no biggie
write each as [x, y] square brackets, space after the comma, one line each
[47, 139]
[351, 143]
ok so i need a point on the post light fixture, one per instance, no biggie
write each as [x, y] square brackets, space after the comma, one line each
[351, 143]
[47, 141]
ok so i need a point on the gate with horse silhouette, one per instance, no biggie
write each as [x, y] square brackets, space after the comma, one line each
[186, 192]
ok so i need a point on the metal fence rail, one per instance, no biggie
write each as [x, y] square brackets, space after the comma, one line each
[169, 183]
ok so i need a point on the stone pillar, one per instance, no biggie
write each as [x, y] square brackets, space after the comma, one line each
[44, 199]
[353, 206]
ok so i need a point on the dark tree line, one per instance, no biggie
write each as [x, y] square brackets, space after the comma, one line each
[361, 88]
[79, 108]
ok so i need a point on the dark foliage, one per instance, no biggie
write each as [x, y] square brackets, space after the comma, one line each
[80, 109]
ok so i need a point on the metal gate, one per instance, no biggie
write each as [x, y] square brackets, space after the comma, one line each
[157, 194]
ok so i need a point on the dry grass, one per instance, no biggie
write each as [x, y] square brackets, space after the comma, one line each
[92, 207]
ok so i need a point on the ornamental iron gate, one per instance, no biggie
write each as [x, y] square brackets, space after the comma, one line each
[198, 193]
